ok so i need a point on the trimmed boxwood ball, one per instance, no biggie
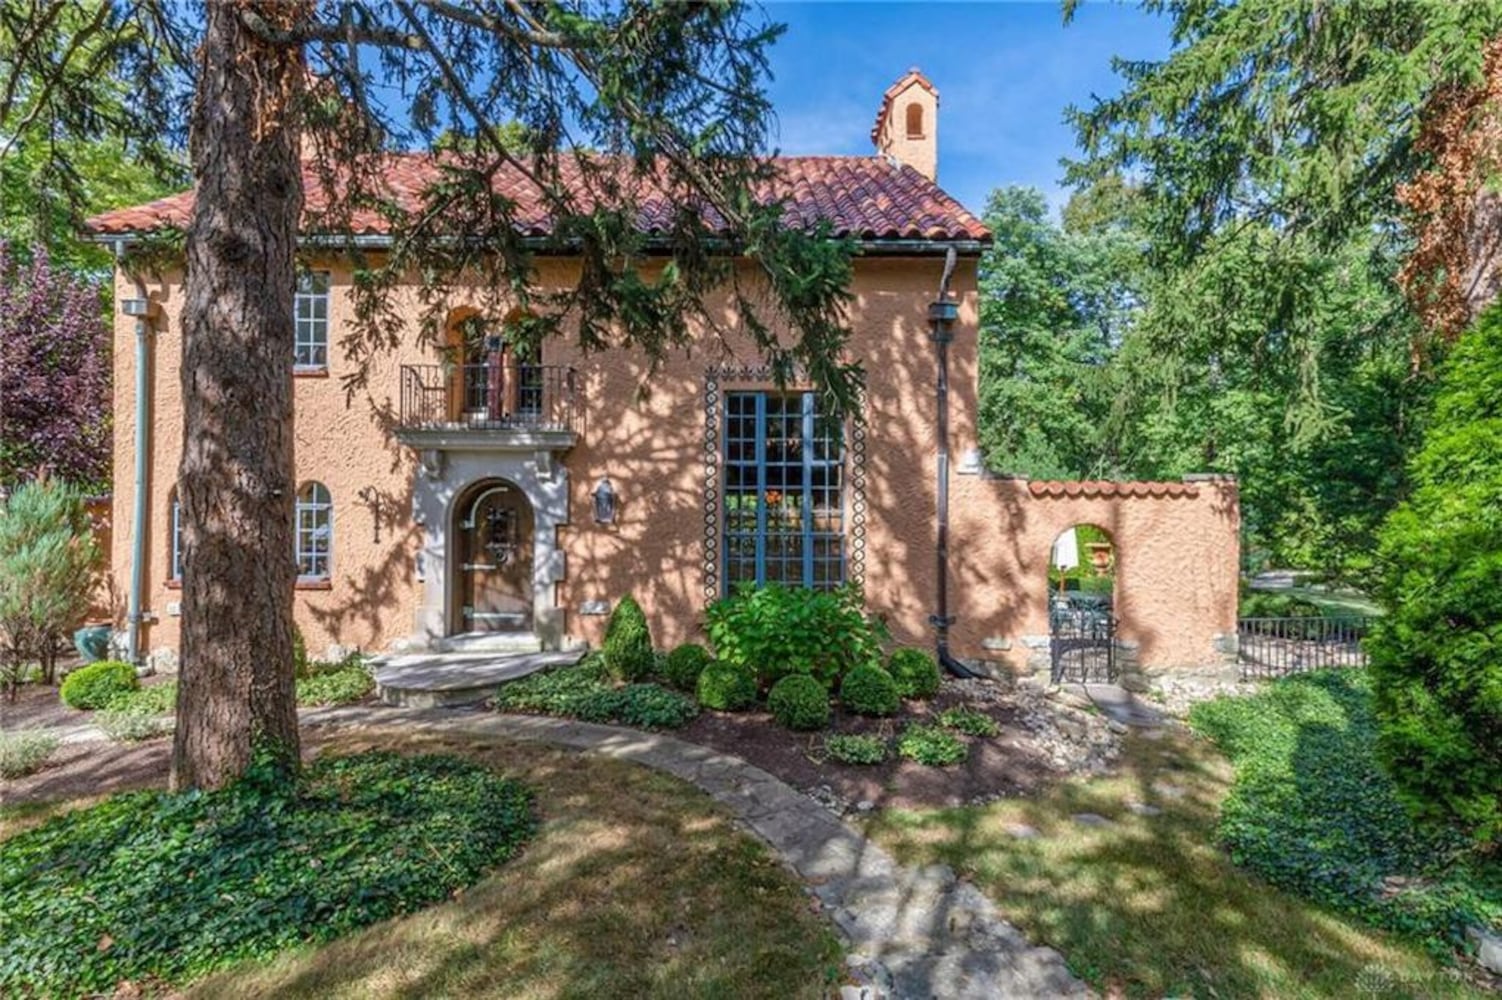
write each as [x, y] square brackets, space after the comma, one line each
[98, 684]
[870, 690]
[916, 673]
[799, 702]
[685, 664]
[726, 688]
[628, 643]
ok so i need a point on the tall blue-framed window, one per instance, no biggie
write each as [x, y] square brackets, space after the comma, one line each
[784, 510]
[314, 531]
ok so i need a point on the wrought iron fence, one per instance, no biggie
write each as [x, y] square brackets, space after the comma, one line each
[489, 397]
[1276, 647]
[1082, 644]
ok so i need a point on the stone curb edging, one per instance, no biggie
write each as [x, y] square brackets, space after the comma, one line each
[913, 932]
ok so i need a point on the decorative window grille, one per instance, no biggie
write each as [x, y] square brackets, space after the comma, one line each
[311, 312]
[784, 516]
[314, 531]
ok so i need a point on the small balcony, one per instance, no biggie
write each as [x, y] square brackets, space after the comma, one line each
[492, 405]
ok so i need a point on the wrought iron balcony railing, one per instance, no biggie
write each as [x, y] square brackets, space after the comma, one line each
[489, 397]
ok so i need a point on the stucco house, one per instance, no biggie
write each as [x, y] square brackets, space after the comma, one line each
[520, 502]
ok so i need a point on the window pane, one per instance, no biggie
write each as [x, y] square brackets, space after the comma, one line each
[310, 310]
[783, 508]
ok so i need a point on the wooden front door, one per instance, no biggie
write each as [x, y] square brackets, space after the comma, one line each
[494, 537]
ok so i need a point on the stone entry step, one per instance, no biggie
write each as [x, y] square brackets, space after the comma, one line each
[489, 642]
[444, 680]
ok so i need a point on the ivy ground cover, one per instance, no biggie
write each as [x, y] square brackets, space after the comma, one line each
[154, 888]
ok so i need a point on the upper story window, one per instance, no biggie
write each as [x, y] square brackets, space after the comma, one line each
[311, 314]
[915, 121]
[784, 492]
[313, 531]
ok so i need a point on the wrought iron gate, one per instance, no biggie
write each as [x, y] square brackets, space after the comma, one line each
[1082, 645]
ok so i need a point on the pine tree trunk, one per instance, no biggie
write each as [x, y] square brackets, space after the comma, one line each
[236, 478]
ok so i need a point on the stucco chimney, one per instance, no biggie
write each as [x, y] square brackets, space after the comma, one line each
[907, 126]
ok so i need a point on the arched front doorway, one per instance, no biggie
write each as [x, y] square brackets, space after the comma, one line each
[493, 549]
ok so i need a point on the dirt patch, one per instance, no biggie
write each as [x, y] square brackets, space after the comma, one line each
[1042, 742]
[38, 705]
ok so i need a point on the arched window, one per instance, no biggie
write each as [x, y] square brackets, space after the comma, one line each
[314, 531]
[175, 533]
[915, 121]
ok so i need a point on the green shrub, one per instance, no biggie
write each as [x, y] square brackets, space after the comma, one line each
[648, 706]
[154, 887]
[627, 647]
[342, 685]
[24, 751]
[915, 671]
[774, 631]
[149, 699]
[1311, 810]
[931, 746]
[726, 687]
[583, 692]
[97, 684]
[1261, 604]
[48, 562]
[1436, 656]
[850, 748]
[684, 665]
[969, 722]
[799, 702]
[301, 664]
[132, 724]
[870, 690]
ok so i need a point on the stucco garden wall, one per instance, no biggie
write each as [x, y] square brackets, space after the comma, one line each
[1176, 562]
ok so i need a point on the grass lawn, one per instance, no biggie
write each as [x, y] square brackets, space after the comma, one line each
[1149, 905]
[635, 885]
[1333, 603]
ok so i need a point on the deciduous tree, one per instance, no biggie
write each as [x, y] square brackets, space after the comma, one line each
[54, 374]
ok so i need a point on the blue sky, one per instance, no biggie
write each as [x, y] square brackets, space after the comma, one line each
[1005, 73]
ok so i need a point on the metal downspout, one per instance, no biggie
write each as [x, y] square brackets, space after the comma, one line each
[139, 308]
[942, 313]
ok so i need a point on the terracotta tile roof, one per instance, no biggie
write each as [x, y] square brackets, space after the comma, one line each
[864, 197]
[912, 76]
[1105, 488]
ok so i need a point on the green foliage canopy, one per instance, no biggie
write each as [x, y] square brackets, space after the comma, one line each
[1437, 654]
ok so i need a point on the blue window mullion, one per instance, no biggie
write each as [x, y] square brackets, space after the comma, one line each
[761, 489]
[808, 489]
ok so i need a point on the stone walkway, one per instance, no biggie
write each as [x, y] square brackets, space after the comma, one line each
[913, 932]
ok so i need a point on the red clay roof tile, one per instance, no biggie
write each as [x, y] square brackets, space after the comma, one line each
[862, 197]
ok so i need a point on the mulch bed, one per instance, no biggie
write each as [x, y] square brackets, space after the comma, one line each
[1011, 764]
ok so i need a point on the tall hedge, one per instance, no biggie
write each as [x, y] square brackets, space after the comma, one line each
[1437, 654]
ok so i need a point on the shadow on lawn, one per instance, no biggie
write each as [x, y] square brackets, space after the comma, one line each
[1148, 905]
[633, 886]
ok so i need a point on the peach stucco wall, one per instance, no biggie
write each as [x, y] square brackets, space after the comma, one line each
[1176, 563]
[646, 431]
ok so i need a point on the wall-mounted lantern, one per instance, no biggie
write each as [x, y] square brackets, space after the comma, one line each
[604, 497]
